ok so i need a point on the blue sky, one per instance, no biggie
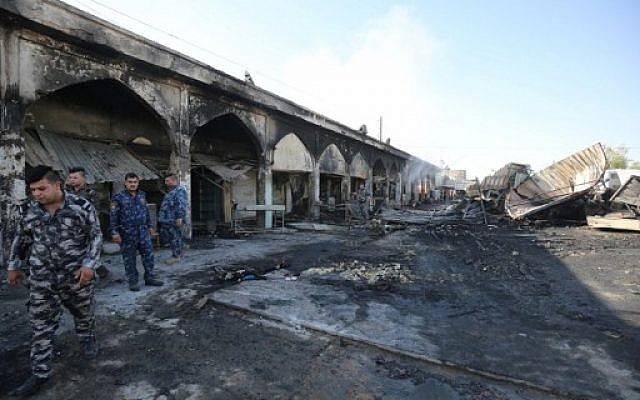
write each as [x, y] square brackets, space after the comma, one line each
[474, 84]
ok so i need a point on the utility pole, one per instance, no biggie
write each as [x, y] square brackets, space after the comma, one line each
[381, 128]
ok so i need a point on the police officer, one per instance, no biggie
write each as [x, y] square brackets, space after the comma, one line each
[77, 184]
[131, 228]
[64, 236]
[171, 217]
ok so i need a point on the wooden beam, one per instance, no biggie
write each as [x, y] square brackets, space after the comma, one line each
[626, 224]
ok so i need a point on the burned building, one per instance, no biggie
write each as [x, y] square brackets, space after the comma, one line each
[77, 90]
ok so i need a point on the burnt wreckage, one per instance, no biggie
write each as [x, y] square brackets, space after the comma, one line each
[77, 90]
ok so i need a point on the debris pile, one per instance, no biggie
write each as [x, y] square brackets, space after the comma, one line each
[364, 272]
[578, 188]
[627, 199]
[558, 184]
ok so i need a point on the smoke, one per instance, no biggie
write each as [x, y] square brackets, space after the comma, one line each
[382, 74]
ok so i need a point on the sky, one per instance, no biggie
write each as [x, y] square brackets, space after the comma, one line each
[467, 84]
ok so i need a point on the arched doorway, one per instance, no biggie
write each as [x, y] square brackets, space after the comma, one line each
[359, 172]
[225, 157]
[105, 127]
[393, 182]
[379, 182]
[292, 166]
[333, 170]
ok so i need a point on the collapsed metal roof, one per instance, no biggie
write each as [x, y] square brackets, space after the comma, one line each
[36, 154]
[629, 193]
[504, 177]
[558, 183]
[226, 171]
[103, 162]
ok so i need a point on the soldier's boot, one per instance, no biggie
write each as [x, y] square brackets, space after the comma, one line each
[102, 271]
[29, 387]
[134, 287]
[150, 281]
[90, 348]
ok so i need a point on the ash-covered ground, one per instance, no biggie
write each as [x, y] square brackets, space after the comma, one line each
[453, 311]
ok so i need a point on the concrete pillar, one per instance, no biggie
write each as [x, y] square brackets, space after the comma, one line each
[268, 197]
[346, 189]
[425, 188]
[387, 189]
[315, 191]
[180, 164]
[399, 189]
[180, 160]
[369, 183]
[288, 197]
[12, 147]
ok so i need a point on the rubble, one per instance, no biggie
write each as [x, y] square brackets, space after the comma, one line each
[625, 221]
[629, 192]
[559, 183]
[363, 272]
[463, 211]
[622, 211]
[494, 188]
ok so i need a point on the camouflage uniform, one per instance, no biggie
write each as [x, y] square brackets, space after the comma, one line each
[131, 220]
[173, 207]
[85, 192]
[59, 245]
[91, 195]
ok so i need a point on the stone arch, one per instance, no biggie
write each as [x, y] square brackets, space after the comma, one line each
[98, 93]
[290, 154]
[104, 126]
[226, 159]
[393, 170]
[105, 111]
[379, 168]
[359, 168]
[331, 161]
[241, 121]
[72, 70]
[203, 110]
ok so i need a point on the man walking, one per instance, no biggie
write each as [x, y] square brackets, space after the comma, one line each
[171, 217]
[64, 236]
[131, 228]
[77, 184]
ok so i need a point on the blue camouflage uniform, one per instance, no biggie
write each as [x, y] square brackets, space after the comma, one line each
[131, 220]
[54, 247]
[173, 207]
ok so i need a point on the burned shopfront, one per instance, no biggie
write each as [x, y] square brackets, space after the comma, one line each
[334, 178]
[224, 173]
[79, 91]
[292, 174]
[103, 127]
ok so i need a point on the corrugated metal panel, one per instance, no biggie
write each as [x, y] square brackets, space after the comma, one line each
[565, 180]
[36, 155]
[226, 171]
[629, 193]
[102, 162]
[503, 178]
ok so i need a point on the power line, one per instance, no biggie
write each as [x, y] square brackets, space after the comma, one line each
[204, 49]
